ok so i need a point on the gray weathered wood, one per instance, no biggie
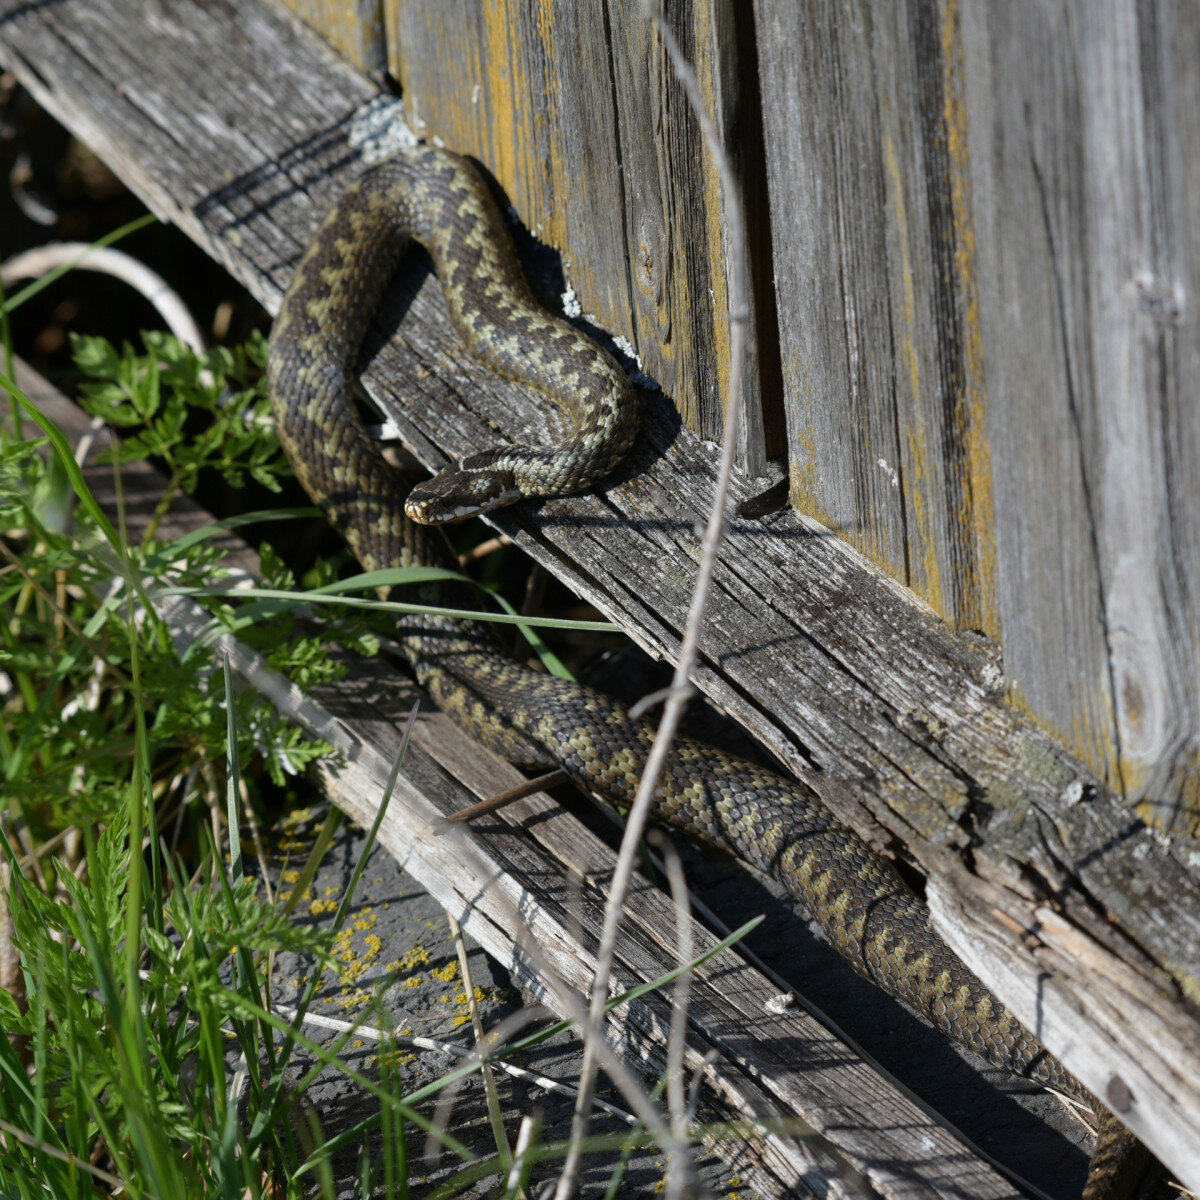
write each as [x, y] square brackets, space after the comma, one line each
[898, 724]
[880, 342]
[574, 107]
[1085, 168]
[987, 250]
[354, 28]
[530, 882]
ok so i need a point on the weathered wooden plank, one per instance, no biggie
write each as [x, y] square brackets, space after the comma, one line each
[530, 883]
[354, 28]
[1085, 160]
[990, 357]
[896, 722]
[573, 106]
[880, 343]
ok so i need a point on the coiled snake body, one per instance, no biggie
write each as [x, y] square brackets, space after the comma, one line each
[438, 199]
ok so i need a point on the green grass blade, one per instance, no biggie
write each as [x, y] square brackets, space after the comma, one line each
[181, 545]
[528, 629]
[32, 289]
[62, 448]
[233, 774]
[462, 614]
[329, 828]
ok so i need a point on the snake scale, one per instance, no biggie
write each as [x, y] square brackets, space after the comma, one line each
[438, 199]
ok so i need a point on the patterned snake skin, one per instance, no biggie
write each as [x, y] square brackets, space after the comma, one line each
[438, 199]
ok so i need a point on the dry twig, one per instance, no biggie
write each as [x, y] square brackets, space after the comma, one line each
[714, 532]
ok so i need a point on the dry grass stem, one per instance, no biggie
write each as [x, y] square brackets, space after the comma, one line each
[484, 549]
[681, 995]
[574, 1009]
[527, 1136]
[481, 1046]
[510, 796]
[375, 1034]
[107, 260]
[713, 535]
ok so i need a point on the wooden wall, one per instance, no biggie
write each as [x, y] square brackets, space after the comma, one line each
[574, 108]
[981, 226]
[1084, 122]
[881, 346]
[354, 28]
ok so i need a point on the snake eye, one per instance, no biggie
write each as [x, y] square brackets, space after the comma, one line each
[457, 493]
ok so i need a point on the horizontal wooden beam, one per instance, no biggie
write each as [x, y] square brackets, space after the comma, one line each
[898, 724]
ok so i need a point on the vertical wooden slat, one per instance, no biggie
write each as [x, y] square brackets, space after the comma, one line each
[987, 248]
[573, 107]
[354, 28]
[875, 275]
[1086, 157]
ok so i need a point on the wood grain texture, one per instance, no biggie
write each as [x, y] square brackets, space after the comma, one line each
[573, 106]
[1085, 156]
[873, 266]
[987, 248]
[354, 28]
[897, 723]
[530, 882]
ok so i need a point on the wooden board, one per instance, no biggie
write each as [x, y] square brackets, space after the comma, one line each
[573, 105]
[529, 883]
[898, 724]
[1085, 162]
[992, 352]
[354, 28]
[881, 347]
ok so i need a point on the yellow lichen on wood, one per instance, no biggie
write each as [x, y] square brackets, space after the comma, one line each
[1181, 815]
[923, 575]
[977, 601]
[577, 113]
[714, 206]
[465, 73]
[353, 28]
[552, 221]
[509, 147]
[915, 483]
[1086, 736]
[804, 482]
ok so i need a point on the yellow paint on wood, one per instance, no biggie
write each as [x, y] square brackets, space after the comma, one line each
[705, 68]
[976, 516]
[925, 577]
[354, 28]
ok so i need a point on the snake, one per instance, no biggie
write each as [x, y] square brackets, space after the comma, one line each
[430, 196]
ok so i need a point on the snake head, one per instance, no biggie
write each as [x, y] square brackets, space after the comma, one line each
[471, 488]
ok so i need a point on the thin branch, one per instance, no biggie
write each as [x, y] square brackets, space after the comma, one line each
[481, 1041]
[714, 533]
[677, 1105]
[510, 796]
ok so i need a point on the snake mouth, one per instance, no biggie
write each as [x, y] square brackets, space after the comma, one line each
[436, 510]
